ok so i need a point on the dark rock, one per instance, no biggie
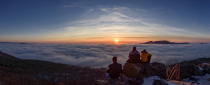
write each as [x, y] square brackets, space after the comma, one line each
[199, 72]
[208, 71]
[148, 70]
[154, 69]
[187, 70]
[159, 82]
[159, 69]
[193, 79]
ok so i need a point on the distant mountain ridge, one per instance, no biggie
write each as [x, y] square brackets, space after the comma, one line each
[15, 42]
[13, 62]
[164, 42]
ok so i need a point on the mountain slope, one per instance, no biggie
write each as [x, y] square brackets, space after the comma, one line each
[15, 71]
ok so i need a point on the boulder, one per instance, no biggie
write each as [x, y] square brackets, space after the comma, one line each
[199, 72]
[148, 70]
[144, 70]
[132, 70]
[187, 70]
[154, 69]
[159, 69]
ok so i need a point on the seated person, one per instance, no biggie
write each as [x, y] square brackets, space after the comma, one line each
[115, 69]
[134, 56]
[145, 57]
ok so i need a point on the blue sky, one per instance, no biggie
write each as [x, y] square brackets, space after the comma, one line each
[103, 20]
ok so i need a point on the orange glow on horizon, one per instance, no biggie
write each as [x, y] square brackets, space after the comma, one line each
[112, 40]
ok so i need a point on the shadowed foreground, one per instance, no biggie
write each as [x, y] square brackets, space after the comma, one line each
[15, 71]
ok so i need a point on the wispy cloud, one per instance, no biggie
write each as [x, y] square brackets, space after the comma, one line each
[119, 22]
[105, 16]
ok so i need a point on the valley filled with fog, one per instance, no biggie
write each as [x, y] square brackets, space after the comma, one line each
[100, 55]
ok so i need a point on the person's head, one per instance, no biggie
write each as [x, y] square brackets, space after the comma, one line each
[114, 59]
[134, 48]
[144, 51]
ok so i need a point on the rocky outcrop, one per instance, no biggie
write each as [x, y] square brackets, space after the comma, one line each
[159, 69]
[187, 70]
[137, 72]
[198, 67]
[153, 69]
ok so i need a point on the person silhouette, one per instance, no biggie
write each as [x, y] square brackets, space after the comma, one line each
[145, 56]
[115, 69]
[134, 56]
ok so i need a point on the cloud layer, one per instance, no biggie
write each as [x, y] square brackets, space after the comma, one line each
[100, 55]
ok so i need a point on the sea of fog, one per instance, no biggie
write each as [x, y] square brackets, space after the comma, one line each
[100, 55]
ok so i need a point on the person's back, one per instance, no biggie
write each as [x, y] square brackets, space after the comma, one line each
[134, 56]
[115, 69]
[145, 57]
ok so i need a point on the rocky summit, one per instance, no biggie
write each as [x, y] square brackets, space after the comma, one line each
[157, 73]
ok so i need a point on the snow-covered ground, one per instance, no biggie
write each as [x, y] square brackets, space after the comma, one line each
[202, 80]
[150, 80]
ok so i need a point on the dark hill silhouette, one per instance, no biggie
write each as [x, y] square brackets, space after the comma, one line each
[163, 42]
[15, 42]
[15, 71]
[33, 65]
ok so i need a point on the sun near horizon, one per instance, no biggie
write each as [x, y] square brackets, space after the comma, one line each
[116, 40]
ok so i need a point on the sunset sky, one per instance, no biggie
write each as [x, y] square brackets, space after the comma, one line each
[104, 21]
